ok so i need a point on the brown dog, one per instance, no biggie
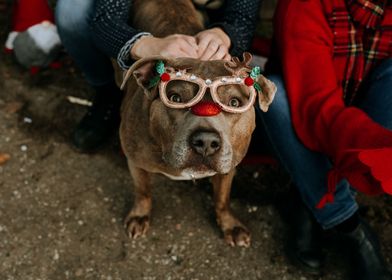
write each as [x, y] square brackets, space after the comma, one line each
[189, 141]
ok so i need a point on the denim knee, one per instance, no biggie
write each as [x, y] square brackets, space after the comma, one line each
[278, 113]
[73, 16]
[383, 71]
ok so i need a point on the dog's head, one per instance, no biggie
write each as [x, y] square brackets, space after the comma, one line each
[201, 112]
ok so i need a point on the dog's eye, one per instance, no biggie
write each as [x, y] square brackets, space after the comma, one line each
[175, 98]
[234, 102]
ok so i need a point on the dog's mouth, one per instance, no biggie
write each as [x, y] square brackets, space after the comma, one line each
[202, 145]
[187, 159]
[201, 164]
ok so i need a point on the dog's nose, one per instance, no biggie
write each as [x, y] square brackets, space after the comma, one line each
[205, 143]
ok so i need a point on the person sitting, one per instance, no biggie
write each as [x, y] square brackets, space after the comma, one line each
[331, 122]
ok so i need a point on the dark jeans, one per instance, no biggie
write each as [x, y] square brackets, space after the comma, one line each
[72, 20]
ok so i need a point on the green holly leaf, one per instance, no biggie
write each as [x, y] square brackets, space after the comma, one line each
[160, 67]
[255, 72]
[153, 82]
[257, 87]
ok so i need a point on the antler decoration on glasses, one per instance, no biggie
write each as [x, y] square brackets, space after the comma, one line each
[242, 68]
[237, 67]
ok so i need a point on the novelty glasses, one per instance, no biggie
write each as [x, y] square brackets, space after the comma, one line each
[179, 89]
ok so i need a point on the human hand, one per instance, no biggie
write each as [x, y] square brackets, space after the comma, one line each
[213, 43]
[171, 46]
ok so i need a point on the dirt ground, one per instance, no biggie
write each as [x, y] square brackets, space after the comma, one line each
[61, 211]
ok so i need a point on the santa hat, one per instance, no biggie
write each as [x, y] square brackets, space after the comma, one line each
[28, 13]
[34, 39]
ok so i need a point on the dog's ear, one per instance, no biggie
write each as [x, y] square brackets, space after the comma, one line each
[266, 94]
[143, 71]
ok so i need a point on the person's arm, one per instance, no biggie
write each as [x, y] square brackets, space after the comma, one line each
[117, 39]
[110, 29]
[239, 23]
[320, 117]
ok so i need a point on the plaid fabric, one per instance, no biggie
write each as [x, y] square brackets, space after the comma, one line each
[361, 40]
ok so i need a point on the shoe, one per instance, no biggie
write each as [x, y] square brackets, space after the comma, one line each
[303, 247]
[366, 257]
[97, 126]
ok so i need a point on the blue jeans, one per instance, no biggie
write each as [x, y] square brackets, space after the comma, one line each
[72, 20]
[308, 169]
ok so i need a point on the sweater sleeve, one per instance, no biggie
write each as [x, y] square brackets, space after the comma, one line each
[239, 23]
[320, 118]
[109, 24]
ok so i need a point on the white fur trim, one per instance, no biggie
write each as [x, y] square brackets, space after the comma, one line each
[9, 44]
[45, 36]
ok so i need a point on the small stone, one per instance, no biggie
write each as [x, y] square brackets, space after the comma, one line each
[27, 120]
[79, 272]
[178, 74]
[17, 194]
[208, 82]
[23, 148]
[224, 80]
[56, 255]
[80, 222]
[238, 79]
[193, 77]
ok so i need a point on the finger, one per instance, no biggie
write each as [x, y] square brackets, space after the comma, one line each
[191, 41]
[174, 53]
[189, 48]
[202, 44]
[209, 51]
[220, 53]
[227, 57]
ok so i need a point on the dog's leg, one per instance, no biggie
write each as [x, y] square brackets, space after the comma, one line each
[138, 219]
[235, 233]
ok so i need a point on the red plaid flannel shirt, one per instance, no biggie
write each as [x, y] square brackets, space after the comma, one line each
[362, 39]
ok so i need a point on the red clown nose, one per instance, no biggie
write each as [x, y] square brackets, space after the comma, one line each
[206, 109]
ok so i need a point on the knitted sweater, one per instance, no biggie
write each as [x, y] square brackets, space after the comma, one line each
[360, 149]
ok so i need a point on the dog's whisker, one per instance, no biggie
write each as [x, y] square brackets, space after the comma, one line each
[193, 179]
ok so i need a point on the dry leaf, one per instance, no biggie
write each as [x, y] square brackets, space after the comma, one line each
[13, 107]
[4, 158]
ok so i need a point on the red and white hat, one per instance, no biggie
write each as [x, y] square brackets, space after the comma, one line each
[28, 13]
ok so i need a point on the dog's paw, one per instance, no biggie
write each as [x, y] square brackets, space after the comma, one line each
[237, 236]
[137, 226]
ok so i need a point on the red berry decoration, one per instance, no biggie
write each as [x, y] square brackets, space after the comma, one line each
[249, 81]
[165, 77]
[206, 109]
